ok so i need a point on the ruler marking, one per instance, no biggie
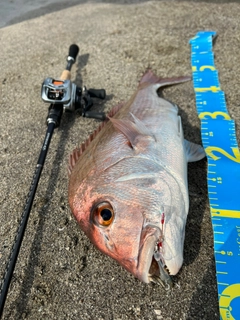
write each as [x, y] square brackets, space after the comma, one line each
[225, 213]
[223, 284]
[220, 252]
[224, 295]
[222, 272]
[224, 308]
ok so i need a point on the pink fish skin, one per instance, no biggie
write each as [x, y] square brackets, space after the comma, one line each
[128, 183]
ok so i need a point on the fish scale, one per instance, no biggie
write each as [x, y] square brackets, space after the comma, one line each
[220, 144]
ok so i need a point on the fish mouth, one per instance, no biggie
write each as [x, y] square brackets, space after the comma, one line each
[151, 266]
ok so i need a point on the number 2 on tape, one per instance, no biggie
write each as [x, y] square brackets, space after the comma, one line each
[235, 158]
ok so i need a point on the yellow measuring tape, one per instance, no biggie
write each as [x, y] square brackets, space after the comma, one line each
[220, 144]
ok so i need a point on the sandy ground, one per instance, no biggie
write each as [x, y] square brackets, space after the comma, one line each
[59, 274]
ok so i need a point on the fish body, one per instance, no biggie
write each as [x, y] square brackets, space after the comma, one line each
[128, 185]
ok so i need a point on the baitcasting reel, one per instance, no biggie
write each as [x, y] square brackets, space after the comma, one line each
[64, 92]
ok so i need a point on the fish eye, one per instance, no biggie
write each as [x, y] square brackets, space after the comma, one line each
[103, 214]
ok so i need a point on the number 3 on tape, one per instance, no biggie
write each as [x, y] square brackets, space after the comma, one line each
[220, 143]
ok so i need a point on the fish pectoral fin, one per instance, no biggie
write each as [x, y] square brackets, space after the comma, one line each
[194, 151]
[132, 130]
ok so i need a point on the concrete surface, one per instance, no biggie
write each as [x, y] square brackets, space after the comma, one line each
[15, 11]
[59, 274]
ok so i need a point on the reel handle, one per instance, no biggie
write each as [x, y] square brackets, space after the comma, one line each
[97, 93]
[96, 115]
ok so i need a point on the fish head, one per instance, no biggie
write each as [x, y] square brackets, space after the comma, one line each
[125, 216]
[115, 225]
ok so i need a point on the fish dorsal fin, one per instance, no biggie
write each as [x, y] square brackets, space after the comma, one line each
[150, 78]
[77, 152]
[131, 130]
[194, 151]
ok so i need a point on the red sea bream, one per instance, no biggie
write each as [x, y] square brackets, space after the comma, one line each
[128, 185]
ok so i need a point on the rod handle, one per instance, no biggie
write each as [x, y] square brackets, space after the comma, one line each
[72, 54]
[66, 75]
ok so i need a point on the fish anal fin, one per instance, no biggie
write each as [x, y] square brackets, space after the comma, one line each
[194, 151]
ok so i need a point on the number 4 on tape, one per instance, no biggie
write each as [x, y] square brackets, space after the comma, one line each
[220, 143]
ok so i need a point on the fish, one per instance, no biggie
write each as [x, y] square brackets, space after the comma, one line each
[128, 187]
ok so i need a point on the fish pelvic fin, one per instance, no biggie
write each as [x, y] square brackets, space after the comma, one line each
[133, 131]
[194, 151]
[150, 78]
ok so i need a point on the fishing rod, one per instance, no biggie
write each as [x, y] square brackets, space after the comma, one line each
[63, 95]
